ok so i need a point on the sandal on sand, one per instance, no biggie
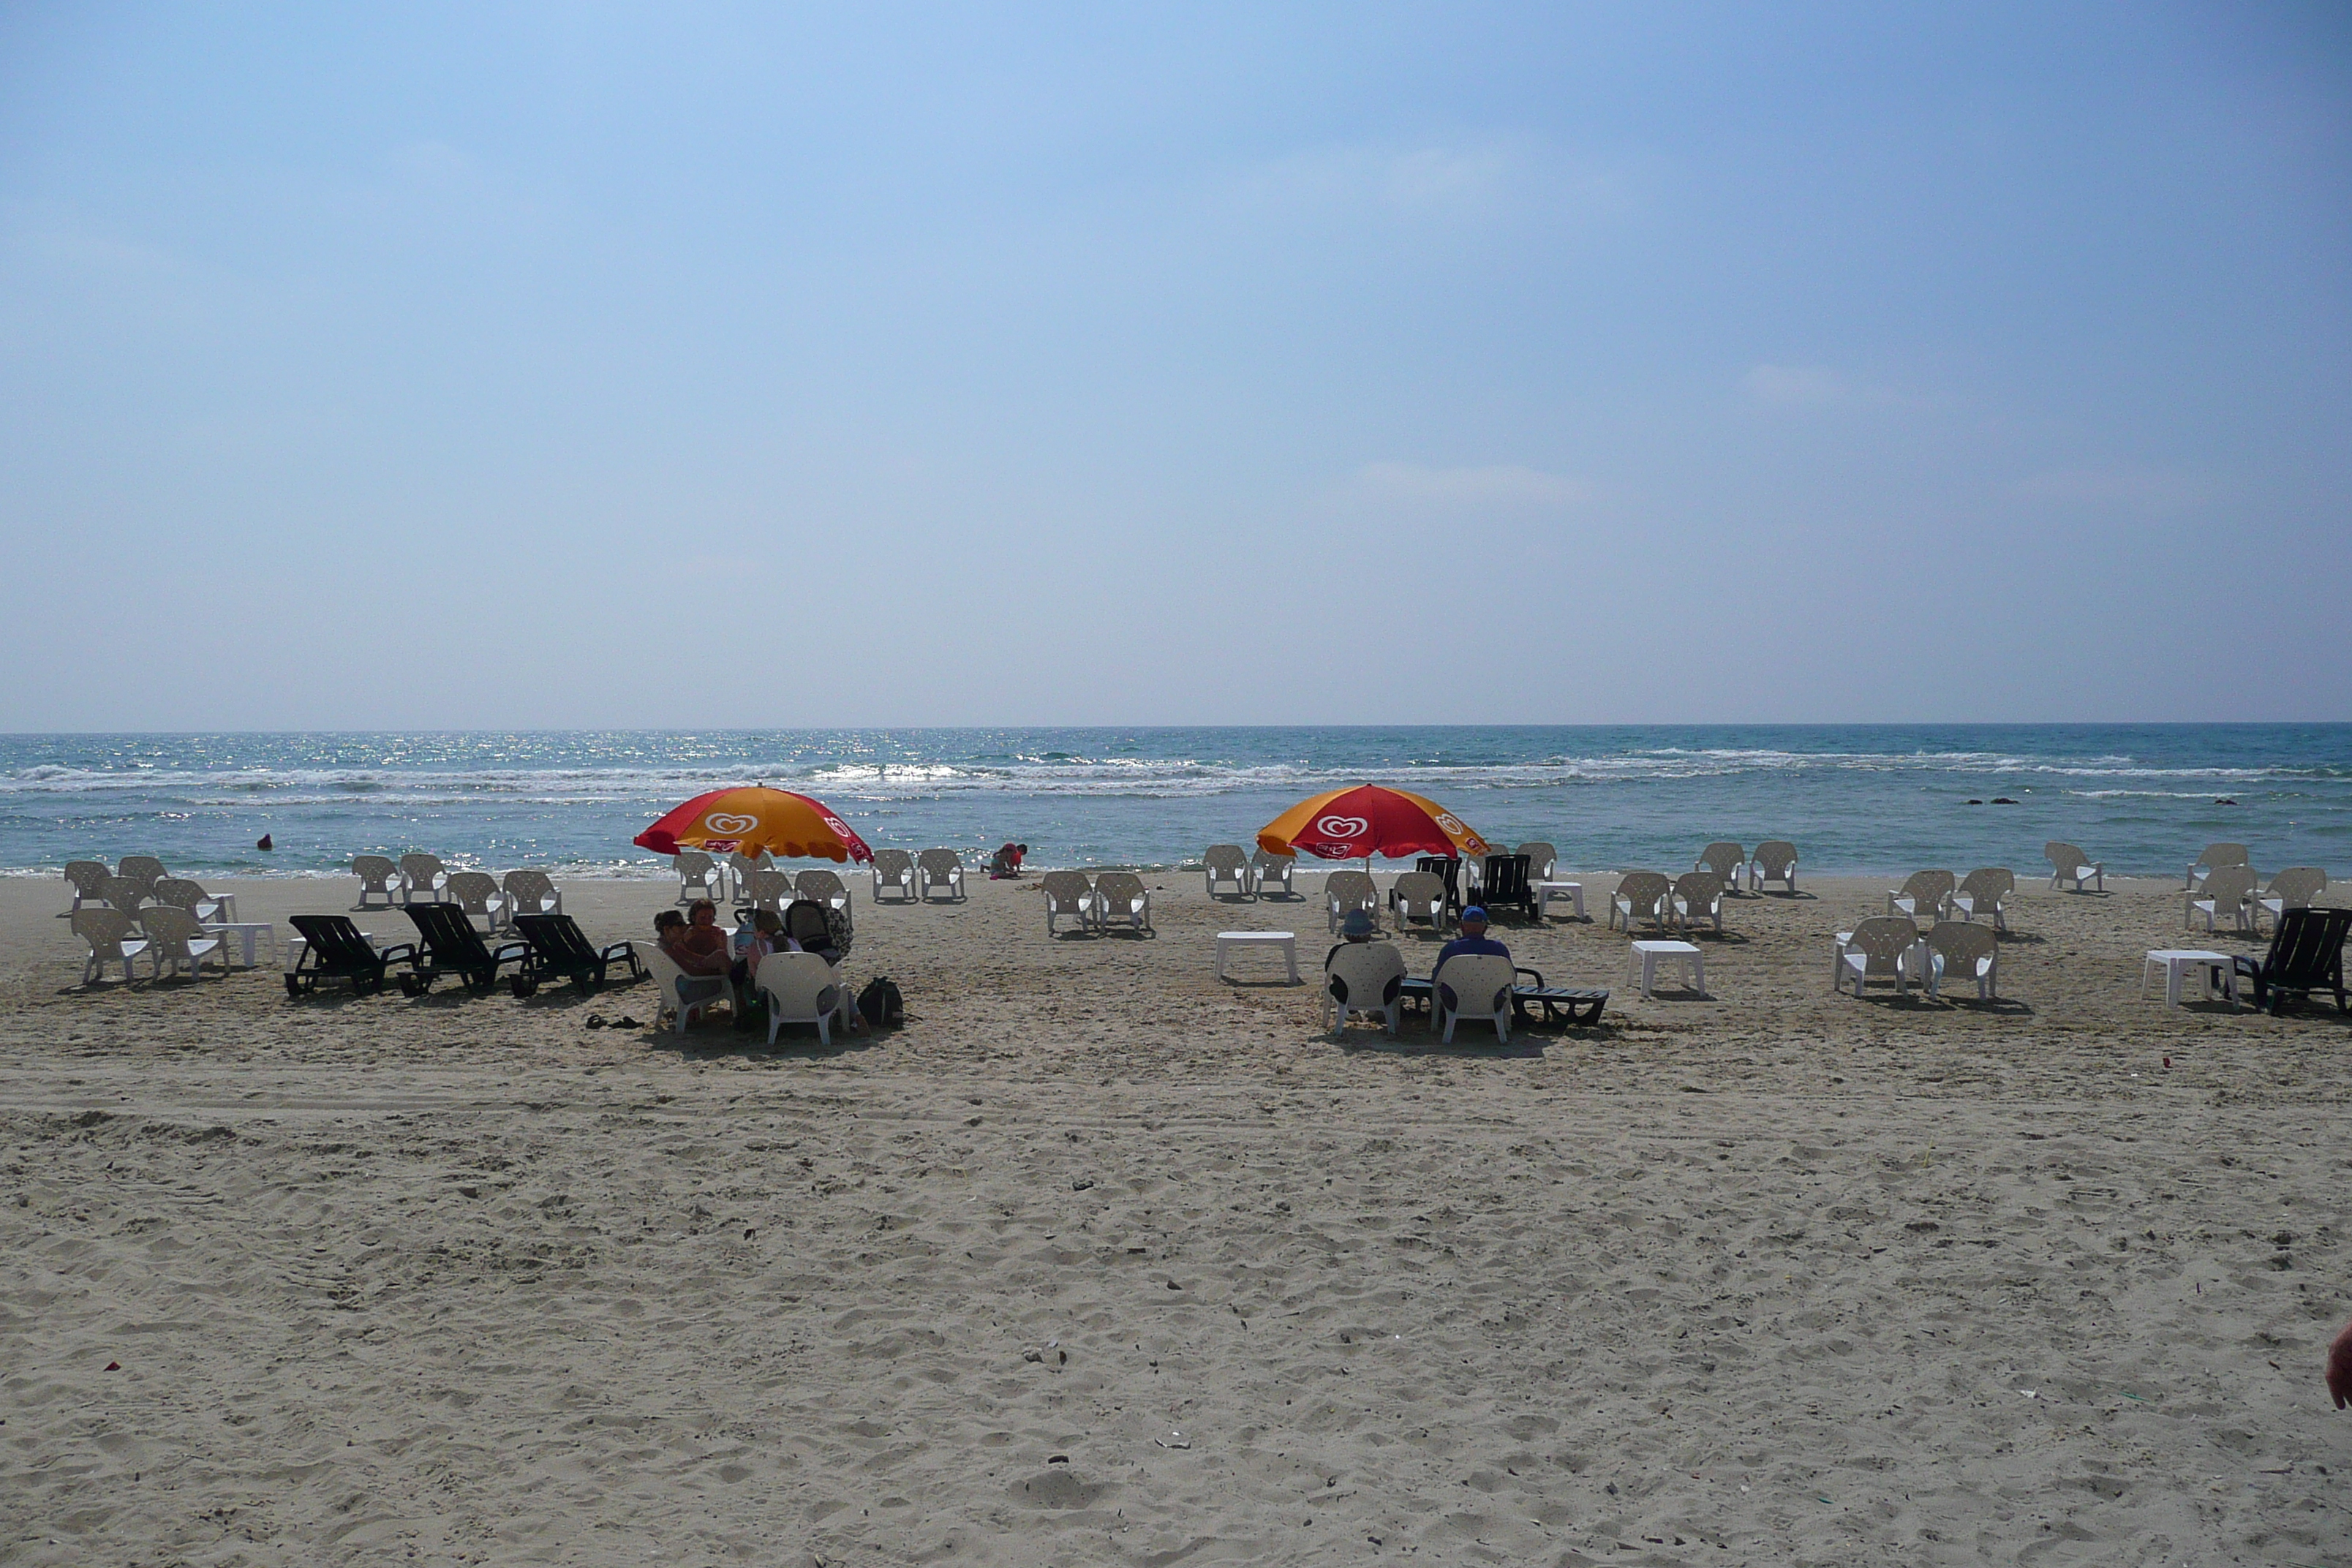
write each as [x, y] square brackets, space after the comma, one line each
[625, 1021]
[595, 1020]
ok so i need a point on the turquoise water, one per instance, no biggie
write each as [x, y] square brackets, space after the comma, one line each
[1854, 798]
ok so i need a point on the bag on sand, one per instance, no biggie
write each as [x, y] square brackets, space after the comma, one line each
[881, 1005]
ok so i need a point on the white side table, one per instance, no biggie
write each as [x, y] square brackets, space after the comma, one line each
[1648, 956]
[1285, 940]
[2179, 962]
[1569, 892]
[248, 932]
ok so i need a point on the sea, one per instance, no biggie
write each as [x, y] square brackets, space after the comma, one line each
[1876, 799]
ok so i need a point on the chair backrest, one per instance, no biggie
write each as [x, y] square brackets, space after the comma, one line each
[1365, 971]
[1350, 886]
[895, 866]
[1724, 858]
[819, 884]
[126, 893]
[1642, 890]
[172, 928]
[421, 870]
[1988, 885]
[87, 876]
[142, 868]
[1068, 889]
[666, 974]
[1272, 868]
[2297, 886]
[455, 944]
[180, 893]
[1776, 857]
[104, 930]
[559, 940]
[473, 891]
[2230, 886]
[743, 865]
[805, 922]
[1958, 942]
[1699, 890]
[2217, 856]
[1120, 890]
[2064, 859]
[769, 889]
[1928, 890]
[1481, 980]
[1542, 859]
[1225, 859]
[375, 872]
[528, 892]
[2309, 948]
[693, 866]
[799, 985]
[1505, 880]
[940, 862]
[1883, 940]
[337, 945]
[1420, 887]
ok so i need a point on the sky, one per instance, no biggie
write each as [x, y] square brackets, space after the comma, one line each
[585, 365]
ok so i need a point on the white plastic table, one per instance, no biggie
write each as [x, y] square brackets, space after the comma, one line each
[2178, 961]
[248, 932]
[1286, 941]
[1572, 892]
[1648, 956]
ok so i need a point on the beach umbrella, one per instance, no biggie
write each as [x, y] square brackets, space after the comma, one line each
[1365, 820]
[755, 821]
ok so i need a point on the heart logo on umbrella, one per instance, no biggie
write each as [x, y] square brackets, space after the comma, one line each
[1343, 827]
[1450, 823]
[729, 823]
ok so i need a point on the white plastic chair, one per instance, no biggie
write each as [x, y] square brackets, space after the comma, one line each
[180, 943]
[938, 868]
[1271, 870]
[739, 868]
[1122, 900]
[127, 894]
[1477, 986]
[1419, 895]
[680, 993]
[802, 988]
[1959, 950]
[1366, 978]
[1984, 891]
[1725, 859]
[143, 869]
[1921, 895]
[820, 886]
[1069, 895]
[1543, 859]
[1775, 861]
[2215, 857]
[423, 879]
[2293, 888]
[1696, 896]
[770, 888]
[476, 893]
[2068, 863]
[88, 879]
[698, 877]
[1883, 947]
[894, 877]
[529, 892]
[108, 933]
[182, 894]
[379, 880]
[1227, 863]
[1344, 892]
[2227, 892]
[1640, 895]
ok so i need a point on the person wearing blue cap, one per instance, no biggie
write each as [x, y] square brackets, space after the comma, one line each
[1474, 938]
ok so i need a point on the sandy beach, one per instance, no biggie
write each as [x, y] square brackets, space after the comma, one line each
[1100, 1259]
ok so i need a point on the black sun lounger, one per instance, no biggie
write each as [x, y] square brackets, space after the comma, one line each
[558, 950]
[1560, 1004]
[1505, 886]
[454, 947]
[2307, 956]
[334, 949]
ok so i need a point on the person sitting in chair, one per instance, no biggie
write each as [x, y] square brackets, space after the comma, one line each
[695, 943]
[1474, 938]
[1355, 926]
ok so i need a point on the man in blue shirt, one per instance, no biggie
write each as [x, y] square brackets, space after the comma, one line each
[1474, 938]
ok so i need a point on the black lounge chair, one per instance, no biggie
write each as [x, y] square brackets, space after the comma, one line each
[560, 952]
[454, 947]
[2306, 955]
[334, 949]
[1507, 885]
[1560, 1004]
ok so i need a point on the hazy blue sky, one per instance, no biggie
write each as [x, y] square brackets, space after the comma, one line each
[584, 366]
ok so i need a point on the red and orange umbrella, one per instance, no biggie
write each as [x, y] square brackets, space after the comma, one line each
[1365, 820]
[754, 821]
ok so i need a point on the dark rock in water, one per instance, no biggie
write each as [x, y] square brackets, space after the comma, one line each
[1976, 802]
[264, 843]
[2225, 803]
[2002, 800]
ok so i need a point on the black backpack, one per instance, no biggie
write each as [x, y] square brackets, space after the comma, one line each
[881, 1004]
